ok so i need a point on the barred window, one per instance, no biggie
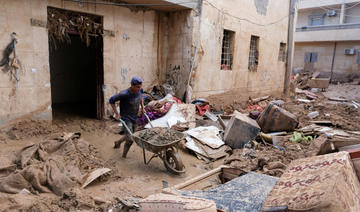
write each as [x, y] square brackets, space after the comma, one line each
[227, 50]
[282, 52]
[254, 53]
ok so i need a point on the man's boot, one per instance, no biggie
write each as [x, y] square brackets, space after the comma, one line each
[126, 149]
[118, 143]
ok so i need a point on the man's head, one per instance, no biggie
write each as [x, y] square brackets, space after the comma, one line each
[136, 84]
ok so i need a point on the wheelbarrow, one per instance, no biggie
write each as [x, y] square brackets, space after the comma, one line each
[163, 143]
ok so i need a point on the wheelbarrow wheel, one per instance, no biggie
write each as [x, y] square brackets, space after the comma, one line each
[173, 163]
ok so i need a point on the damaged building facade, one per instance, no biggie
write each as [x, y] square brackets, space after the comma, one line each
[213, 47]
[327, 38]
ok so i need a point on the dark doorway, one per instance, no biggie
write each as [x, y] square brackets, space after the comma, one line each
[76, 73]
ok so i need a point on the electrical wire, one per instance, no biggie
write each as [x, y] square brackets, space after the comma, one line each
[326, 9]
[129, 4]
[330, 8]
[244, 19]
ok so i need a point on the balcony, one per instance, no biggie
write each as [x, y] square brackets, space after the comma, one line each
[307, 4]
[338, 32]
[165, 5]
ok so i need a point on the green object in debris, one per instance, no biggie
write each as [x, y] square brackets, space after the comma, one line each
[299, 137]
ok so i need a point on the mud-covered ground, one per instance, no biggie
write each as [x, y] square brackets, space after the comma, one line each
[131, 178]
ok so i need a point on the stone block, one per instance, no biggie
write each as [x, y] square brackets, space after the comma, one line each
[319, 83]
[240, 130]
[274, 119]
[321, 183]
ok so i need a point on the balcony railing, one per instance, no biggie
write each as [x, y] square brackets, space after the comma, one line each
[328, 27]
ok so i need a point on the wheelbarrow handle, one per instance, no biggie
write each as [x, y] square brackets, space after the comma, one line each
[148, 119]
[127, 128]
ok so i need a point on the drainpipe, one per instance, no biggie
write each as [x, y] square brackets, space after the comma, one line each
[332, 63]
[342, 13]
[192, 64]
[290, 53]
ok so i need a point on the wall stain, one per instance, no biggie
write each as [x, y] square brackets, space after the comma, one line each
[124, 72]
[261, 6]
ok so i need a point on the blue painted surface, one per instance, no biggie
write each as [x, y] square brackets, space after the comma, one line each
[245, 193]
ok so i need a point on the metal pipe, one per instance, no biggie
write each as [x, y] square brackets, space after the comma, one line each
[332, 63]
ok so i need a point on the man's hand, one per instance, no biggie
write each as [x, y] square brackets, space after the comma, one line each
[143, 111]
[118, 117]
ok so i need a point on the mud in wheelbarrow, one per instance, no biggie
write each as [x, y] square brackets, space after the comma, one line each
[163, 143]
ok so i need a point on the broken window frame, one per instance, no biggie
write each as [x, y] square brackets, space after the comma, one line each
[282, 52]
[254, 53]
[227, 50]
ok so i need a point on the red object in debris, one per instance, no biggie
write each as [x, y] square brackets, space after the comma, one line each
[202, 109]
[254, 107]
[292, 77]
[353, 150]
[177, 100]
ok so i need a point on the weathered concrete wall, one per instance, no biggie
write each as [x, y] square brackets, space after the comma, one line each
[176, 48]
[328, 35]
[123, 58]
[269, 77]
[33, 95]
[345, 66]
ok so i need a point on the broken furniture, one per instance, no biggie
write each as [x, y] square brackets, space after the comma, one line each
[322, 83]
[244, 191]
[354, 151]
[321, 183]
[274, 119]
[240, 130]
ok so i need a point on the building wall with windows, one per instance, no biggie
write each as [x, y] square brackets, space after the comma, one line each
[335, 41]
[131, 47]
[255, 69]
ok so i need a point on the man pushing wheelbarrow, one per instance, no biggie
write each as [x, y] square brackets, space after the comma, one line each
[130, 102]
[162, 142]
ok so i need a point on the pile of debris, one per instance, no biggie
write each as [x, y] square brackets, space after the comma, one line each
[53, 166]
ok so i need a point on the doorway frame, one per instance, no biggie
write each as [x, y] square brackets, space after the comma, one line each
[99, 69]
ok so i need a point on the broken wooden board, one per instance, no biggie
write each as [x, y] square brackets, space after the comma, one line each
[94, 175]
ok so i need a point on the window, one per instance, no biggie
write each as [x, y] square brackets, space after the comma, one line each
[282, 52]
[358, 57]
[311, 57]
[316, 20]
[254, 53]
[227, 50]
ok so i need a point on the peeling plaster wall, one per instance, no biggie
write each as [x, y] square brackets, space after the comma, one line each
[132, 51]
[269, 77]
[176, 48]
[33, 95]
